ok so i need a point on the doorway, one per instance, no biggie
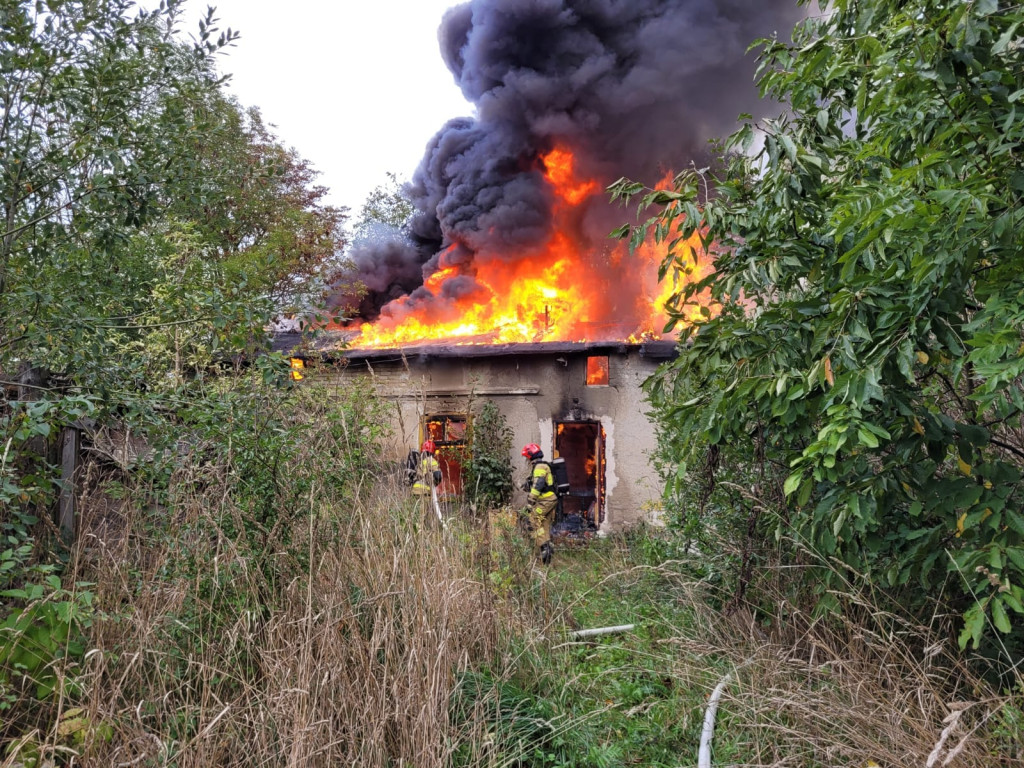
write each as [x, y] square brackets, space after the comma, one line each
[582, 445]
[450, 434]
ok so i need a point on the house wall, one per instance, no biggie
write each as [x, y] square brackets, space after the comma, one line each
[533, 392]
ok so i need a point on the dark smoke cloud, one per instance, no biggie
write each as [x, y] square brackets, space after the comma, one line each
[635, 87]
[388, 270]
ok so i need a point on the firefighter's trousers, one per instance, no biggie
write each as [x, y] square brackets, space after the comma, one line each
[542, 518]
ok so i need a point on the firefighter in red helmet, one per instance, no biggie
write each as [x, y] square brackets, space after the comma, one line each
[542, 503]
[428, 473]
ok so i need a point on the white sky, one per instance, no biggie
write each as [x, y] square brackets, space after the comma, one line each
[356, 86]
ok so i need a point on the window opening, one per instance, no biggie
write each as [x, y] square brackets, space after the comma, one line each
[597, 371]
[449, 433]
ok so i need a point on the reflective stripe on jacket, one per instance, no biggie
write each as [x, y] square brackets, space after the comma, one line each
[543, 482]
[425, 475]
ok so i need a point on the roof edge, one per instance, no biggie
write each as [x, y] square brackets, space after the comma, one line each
[331, 346]
[652, 349]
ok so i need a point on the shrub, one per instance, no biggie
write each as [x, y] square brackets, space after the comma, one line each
[862, 329]
[489, 472]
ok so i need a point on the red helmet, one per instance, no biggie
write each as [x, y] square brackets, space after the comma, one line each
[428, 446]
[531, 450]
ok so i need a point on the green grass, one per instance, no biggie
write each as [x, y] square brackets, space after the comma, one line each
[616, 700]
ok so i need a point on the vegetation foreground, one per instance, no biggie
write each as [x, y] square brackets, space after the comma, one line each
[274, 599]
[250, 586]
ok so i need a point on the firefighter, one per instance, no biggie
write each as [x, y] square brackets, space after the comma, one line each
[543, 500]
[428, 474]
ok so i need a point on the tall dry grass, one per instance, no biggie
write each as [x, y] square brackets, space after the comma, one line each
[335, 633]
[859, 688]
[283, 602]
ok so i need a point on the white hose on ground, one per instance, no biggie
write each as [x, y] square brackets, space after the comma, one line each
[602, 631]
[708, 729]
[437, 508]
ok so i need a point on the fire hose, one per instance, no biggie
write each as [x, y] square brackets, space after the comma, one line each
[437, 507]
[708, 729]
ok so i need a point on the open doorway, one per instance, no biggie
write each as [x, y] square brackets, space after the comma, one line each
[449, 433]
[582, 445]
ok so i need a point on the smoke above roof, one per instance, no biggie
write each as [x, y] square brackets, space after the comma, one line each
[634, 88]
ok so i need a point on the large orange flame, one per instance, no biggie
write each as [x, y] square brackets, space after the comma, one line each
[561, 173]
[562, 292]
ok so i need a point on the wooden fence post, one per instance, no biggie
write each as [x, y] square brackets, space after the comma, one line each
[68, 466]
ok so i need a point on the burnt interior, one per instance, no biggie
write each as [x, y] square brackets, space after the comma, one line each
[581, 444]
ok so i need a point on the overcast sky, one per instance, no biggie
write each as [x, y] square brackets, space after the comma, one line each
[356, 86]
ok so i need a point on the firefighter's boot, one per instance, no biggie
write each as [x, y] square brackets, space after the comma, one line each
[546, 551]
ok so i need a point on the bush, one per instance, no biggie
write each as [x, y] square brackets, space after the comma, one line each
[862, 330]
[264, 597]
[489, 472]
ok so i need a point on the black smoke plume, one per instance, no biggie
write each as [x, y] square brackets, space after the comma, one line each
[635, 88]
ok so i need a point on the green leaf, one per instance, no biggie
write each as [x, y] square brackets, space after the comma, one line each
[985, 7]
[1016, 556]
[995, 559]
[666, 196]
[1005, 38]
[1011, 600]
[792, 483]
[974, 625]
[789, 146]
[999, 617]
[806, 488]
[867, 438]
[977, 436]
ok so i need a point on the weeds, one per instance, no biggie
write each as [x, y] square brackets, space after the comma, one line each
[272, 600]
[269, 596]
[860, 687]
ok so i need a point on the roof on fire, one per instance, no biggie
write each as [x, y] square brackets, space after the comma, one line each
[330, 345]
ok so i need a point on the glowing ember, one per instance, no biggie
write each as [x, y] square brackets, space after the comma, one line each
[560, 292]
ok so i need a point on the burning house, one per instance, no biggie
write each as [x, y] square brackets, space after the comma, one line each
[581, 401]
[505, 283]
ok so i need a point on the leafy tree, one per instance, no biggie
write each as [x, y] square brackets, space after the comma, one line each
[149, 221]
[149, 226]
[870, 280]
[386, 210]
[94, 107]
[257, 205]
